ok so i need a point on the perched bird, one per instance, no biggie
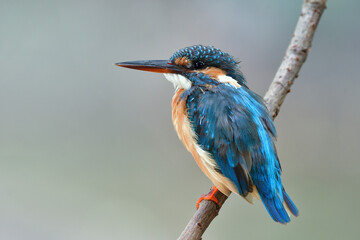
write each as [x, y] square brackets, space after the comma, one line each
[224, 125]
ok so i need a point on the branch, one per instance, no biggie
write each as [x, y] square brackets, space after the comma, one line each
[295, 54]
[290, 66]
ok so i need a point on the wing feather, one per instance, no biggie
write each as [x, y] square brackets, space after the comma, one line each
[225, 128]
[235, 128]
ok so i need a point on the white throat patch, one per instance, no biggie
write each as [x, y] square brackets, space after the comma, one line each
[178, 80]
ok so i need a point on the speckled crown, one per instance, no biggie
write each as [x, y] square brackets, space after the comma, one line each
[209, 55]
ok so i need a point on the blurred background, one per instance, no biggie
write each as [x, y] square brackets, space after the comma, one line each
[88, 150]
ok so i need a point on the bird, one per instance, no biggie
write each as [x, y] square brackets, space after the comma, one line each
[225, 126]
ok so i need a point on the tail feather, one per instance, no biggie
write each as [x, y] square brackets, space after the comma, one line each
[276, 209]
[290, 204]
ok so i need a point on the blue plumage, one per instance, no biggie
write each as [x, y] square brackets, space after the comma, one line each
[234, 126]
[225, 125]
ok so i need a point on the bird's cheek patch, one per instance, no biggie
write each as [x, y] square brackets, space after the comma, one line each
[229, 80]
[213, 72]
[183, 61]
[220, 76]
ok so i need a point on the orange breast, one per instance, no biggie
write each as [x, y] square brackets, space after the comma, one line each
[188, 137]
[183, 128]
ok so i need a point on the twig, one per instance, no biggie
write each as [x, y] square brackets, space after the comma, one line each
[295, 54]
[290, 66]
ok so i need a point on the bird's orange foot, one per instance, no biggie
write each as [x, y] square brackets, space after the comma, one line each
[210, 196]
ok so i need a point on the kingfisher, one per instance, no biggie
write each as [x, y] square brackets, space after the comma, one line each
[224, 125]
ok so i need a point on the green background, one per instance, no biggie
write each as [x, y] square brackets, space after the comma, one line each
[88, 150]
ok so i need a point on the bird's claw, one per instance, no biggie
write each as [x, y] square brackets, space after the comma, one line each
[210, 197]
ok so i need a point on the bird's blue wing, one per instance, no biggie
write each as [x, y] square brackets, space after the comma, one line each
[234, 126]
[224, 124]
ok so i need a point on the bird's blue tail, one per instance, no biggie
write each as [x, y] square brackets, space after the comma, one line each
[276, 208]
[290, 204]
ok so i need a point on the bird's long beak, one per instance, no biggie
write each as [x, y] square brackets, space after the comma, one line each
[159, 66]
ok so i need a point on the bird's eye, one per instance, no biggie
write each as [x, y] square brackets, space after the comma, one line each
[199, 65]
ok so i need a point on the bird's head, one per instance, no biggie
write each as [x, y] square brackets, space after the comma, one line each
[195, 65]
